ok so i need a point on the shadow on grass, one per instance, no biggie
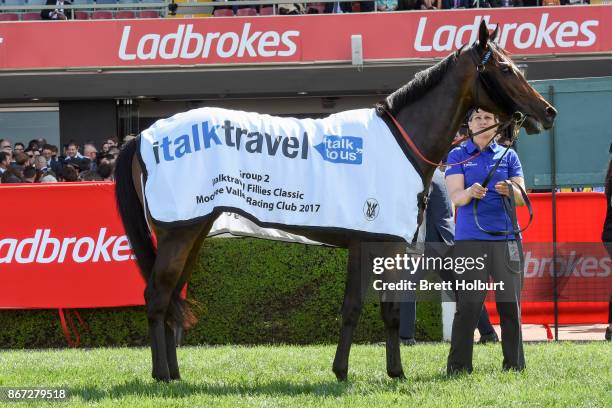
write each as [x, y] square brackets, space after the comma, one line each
[184, 389]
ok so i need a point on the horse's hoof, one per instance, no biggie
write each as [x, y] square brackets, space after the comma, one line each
[161, 378]
[341, 375]
[397, 375]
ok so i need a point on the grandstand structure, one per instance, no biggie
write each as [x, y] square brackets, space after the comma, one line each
[96, 78]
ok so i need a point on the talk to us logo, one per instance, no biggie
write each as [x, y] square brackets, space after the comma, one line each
[341, 149]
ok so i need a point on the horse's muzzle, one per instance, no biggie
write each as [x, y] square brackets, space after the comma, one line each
[550, 114]
[533, 126]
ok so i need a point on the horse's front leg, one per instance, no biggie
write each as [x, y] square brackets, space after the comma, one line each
[351, 310]
[390, 316]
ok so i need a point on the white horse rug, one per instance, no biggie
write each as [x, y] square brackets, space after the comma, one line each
[344, 172]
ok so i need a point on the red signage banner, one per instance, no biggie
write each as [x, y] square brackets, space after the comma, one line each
[580, 217]
[66, 248]
[580, 268]
[63, 246]
[298, 39]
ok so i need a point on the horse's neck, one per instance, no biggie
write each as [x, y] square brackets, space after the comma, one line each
[434, 119]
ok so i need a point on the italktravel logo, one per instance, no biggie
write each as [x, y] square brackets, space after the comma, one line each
[204, 136]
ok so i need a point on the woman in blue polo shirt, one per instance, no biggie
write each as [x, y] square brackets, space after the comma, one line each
[464, 186]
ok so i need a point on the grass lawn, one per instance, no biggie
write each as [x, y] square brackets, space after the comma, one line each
[557, 375]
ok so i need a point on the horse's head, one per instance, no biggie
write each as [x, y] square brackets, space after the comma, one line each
[501, 88]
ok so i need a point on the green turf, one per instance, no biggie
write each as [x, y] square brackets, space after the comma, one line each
[557, 375]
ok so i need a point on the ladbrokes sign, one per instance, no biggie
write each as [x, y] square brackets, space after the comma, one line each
[189, 45]
[45, 248]
[549, 33]
[296, 39]
[74, 254]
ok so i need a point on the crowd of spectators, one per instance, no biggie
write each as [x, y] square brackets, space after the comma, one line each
[396, 5]
[41, 162]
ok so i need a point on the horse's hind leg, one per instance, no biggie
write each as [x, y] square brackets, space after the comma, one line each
[173, 367]
[171, 341]
[351, 309]
[390, 316]
[173, 249]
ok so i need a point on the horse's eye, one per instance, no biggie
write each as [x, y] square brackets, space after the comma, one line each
[505, 68]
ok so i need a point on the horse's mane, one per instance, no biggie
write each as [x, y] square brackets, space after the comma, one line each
[414, 90]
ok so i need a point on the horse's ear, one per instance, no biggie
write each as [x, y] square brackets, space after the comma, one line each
[494, 35]
[458, 52]
[483, 35]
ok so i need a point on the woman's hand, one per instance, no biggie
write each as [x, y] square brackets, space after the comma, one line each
[502, 188]
[460, 195]
[477, 191]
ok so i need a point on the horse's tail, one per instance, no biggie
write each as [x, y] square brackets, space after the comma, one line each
[131, 211]
[135, 224]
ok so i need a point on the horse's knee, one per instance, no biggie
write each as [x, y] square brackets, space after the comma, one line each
[390, 315]
[350, 314]
[391, 323]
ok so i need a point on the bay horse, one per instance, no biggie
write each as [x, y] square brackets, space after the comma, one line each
[431, 108]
